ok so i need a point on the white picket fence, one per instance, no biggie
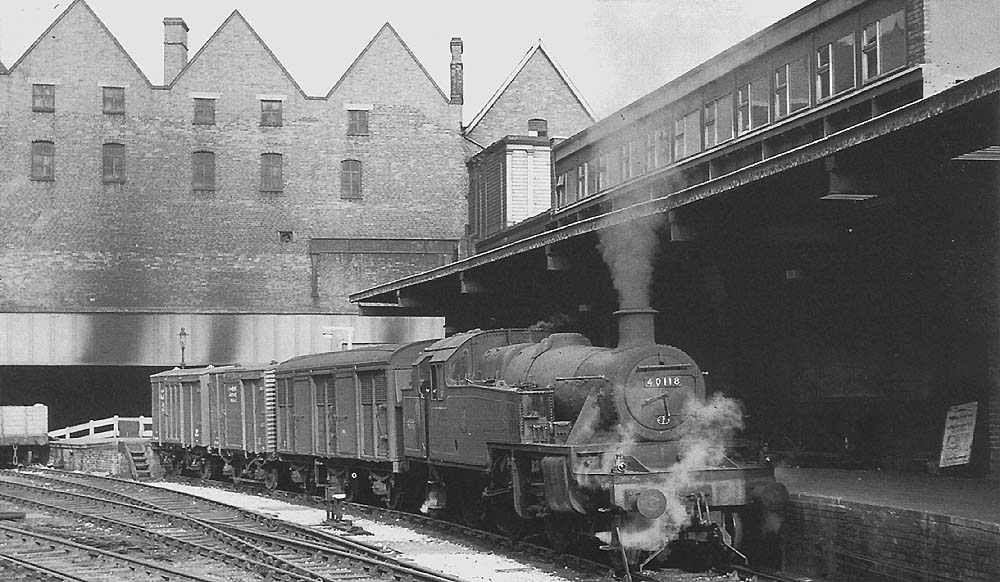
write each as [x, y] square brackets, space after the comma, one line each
[107, 428]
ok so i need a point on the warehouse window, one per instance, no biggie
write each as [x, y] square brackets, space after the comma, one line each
[203, 171]
[350, 179]
[204, 111]
[883, 46]
[114, 162]
[43, 160]
[357, 122]
[270, 173]
[270, 113]
[43, 98]
[581, 180]
[114, 100]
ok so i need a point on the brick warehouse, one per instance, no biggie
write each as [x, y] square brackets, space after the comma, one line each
[225, 201]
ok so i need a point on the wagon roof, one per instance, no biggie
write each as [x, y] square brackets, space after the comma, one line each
[179, 372]
[369, 355]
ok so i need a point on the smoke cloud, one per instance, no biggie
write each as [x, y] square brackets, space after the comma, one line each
[629, 251]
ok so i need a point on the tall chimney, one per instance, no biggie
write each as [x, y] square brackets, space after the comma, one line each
[456, 72]
[175, 48]
[636, 327]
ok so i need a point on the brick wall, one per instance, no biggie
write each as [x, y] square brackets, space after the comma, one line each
[915, 32]
[537, 91]
[153, 243]
[104, 458]
[839, 540]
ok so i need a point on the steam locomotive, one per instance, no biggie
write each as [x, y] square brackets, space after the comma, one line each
[529, 431]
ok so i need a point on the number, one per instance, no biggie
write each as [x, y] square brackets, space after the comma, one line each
[662, 381]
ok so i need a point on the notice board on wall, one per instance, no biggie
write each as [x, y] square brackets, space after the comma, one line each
[959, 426]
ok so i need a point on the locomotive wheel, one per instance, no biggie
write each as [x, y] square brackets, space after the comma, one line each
[561, 531]
[473, 509]
[732, 521]
[508, 522]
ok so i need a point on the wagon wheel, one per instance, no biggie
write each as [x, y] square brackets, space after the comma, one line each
[397, 498]
[271, 477]
[356, 487]
[208, 470]
[403, 494]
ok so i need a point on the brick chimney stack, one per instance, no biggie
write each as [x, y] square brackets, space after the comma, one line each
[175, 48]
[456, 72]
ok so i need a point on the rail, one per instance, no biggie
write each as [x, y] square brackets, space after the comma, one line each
[113, 427]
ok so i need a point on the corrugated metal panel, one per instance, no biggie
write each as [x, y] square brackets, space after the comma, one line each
[150, 339]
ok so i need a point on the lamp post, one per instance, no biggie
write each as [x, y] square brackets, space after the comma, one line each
[183, 335]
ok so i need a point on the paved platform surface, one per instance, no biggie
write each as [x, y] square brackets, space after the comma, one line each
[977, 499]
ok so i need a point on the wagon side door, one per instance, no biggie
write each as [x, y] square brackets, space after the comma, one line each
[346, 391]
[302, 406]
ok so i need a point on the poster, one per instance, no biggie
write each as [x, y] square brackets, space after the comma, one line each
[959, 426]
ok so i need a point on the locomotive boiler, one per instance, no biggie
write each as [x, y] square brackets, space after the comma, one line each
[518, 429]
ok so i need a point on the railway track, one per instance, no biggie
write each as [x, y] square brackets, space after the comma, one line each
[583, 566]
[265, 546]
[29, 555]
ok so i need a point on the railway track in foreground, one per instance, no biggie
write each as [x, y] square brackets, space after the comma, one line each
[246, 541]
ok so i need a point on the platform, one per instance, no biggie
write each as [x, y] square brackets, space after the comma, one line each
[878, 525]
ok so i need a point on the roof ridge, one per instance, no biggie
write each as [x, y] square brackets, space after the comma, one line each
[534, 49]
[368, 46]
[236, 14]
[102, 26]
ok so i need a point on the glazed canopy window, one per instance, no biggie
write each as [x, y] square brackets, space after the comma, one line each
[883, 45]
[718, 120]
[835, 67]
[791, 87]
[752, 105]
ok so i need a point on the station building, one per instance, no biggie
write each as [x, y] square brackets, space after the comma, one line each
[814, 214]
[224, 202]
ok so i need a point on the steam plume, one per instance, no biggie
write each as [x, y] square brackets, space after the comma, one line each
[708, 427]
[629, 250]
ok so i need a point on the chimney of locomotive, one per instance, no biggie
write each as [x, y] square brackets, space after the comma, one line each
[636, 326]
